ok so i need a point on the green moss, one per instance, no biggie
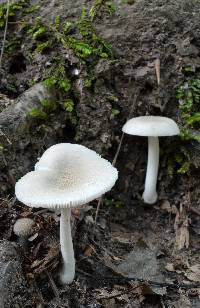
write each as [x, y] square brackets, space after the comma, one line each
[38, 29]
[40, 35]
[113, 203]
[12, 87]
[85, 43]
[43, 112]
[39, 114]
[99, 7]
[63, 85]
[188, 70]
[56, 78]
[189, 104]
[13, 9]
[12, 45]
[115, 112]
[48, 105]
[69, 105]
[81, 49]
[88, 33]
[41, 47]
[82, 38]
[179, 154]
[32, 9]
[113, 98]
[88, 82]
[67, 27]
[130, 2]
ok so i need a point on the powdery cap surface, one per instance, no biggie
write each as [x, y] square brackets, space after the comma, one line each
[23, 227]
[67, 175]
[152, 126]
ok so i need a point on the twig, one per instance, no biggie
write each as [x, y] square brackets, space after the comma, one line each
[157, 68]
[11, 178]
[2, 134]
[195, 211]
[4, 159]
[40, 212]
[124, 279]
[118, 151]
[118, 294]
[5, 32]
[38, 293]
[53, 285]
[97, 210]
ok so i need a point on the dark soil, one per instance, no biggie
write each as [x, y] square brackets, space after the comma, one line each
[139, 32]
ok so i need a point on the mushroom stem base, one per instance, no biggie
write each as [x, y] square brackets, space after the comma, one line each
[68, 271]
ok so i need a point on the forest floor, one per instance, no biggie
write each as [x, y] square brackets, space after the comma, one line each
[134, 255]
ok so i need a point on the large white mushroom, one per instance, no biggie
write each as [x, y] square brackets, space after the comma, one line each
[66, 176]
[151, 127]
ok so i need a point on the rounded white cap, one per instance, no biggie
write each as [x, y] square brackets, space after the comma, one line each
[151, 126]
[23, 227]
[67, 175]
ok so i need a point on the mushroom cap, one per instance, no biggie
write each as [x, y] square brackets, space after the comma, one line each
[23, 227]
[151, 126]
[67, 175]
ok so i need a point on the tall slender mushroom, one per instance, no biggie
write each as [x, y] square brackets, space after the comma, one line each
[151, 127]
[66, 176]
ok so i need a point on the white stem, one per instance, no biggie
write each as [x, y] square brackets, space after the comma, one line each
[150, 195]
[66, 244]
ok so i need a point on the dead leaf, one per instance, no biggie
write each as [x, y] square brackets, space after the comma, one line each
[124, 239]
[49, 260]
[36, 263]
[27, 213]
[108, 303]
[174, 210]
[193, 277]
[165, 205]
[157, 69]
[89, 250]
[116, 258]
[89, 220]
[195, 268]
[170, 267]
[194, 273]
[184, 235]
[183, 302]
[76, 212]
[105, 294]
[181, 225]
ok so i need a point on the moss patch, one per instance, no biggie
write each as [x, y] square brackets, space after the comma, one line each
[14, 7]
[180, 152]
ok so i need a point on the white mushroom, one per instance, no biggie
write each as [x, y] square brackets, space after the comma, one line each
[66, 176]
[23, 228]
[151, 127]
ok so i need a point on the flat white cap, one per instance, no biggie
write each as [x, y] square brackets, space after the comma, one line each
[151, 126]
[67, 175]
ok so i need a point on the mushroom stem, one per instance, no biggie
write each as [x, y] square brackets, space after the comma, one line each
[68, 271]
[150, 194]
